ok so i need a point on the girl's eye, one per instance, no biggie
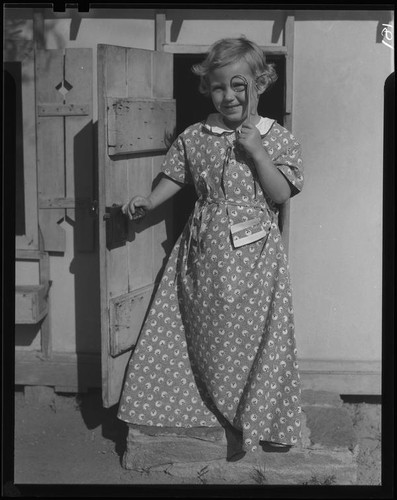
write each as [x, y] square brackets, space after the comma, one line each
[238, 87]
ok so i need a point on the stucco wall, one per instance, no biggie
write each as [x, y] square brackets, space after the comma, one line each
[335, 238]
[336, 223]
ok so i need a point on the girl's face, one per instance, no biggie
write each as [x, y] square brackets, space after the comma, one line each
[232, 105]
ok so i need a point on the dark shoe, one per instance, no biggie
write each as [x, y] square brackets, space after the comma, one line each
[236, 457]
[234, 440]
[271, 447]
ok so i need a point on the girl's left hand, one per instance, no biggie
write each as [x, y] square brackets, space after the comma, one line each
[250, 140]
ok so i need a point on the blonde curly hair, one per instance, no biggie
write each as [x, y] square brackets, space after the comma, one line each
[229, 51]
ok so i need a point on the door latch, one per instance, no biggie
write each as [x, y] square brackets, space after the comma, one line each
[116, 226]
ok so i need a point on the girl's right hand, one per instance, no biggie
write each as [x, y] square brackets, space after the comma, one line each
[130, 208]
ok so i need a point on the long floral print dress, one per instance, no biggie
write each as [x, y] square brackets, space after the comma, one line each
[219, 340]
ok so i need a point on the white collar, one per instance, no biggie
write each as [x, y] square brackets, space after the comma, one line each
[214, 124]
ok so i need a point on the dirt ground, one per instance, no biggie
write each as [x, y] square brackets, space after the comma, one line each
[76, 441]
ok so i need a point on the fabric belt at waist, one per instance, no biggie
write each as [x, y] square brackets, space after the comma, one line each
[197, 224]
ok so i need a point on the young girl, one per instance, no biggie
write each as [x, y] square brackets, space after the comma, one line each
[218, 343]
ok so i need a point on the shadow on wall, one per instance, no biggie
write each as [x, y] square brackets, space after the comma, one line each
[95, 415]
[85, 264]
[178, 16]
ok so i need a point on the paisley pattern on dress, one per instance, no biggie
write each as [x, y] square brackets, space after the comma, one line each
[219, 337]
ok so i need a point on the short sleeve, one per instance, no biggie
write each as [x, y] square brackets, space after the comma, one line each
[176, 164]
[288, 159]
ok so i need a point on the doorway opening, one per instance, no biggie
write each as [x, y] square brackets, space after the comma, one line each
[192, 107]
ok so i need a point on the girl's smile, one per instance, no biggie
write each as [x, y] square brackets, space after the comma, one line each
[232, 102]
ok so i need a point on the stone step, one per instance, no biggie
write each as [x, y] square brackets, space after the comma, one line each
[326, 422]
[192, 459]
[327, 454]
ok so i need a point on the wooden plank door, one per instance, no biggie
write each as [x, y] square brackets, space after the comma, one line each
[136, 122]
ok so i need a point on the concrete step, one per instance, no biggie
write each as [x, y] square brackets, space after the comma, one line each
[327, 455]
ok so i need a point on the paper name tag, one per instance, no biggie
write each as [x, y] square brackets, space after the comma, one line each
[247, 232]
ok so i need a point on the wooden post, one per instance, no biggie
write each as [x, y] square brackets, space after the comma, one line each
[289, 44]
[160, 30]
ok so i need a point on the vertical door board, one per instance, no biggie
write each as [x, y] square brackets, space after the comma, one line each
[162, 74]
[112, 178]
[116, 172]
[140, 251]
[115, 71]
[139, 73]
[102, 166]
